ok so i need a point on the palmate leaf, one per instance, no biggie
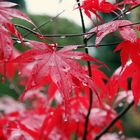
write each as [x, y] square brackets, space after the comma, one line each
[6, 29]
[131, 71]
[130, 59]
[95, 6]
[7, 13]
[129, 50]
[60, 65]
[130, 2]
[127, 33]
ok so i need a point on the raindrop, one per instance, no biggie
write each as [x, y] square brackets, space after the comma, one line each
[18, 41]
[128, 13]
[19, 73]
[84, 84]
[120, 104]
[65, 120]
[120, 132]
[76, 47]
[63, 37]
[85, 36]
[51, 113]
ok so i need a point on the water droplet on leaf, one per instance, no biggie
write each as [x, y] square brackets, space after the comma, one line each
[19, 73]
[63, 37]
[120, 104]
[84, 84]
[65, 120]
[128, 13]
[51, 113]
[120, 132]
[18, 41]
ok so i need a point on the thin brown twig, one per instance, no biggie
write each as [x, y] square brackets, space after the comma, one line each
[67, 35]
[90, 74]
[123, 112]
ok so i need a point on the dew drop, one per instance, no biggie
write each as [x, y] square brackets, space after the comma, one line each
[65, 120]
[63, 37]
[84, 84]
[76, 48]
[85, 36]
[120, 132]
[51, 113]
[18, 41]
[128, 13]
[19, 73]
[120, 104]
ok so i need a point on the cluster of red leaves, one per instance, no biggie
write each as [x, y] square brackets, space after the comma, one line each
[103, 6]
[129, 51]
[95, 6]
[43, 122]
[6, 29]
[69, 82]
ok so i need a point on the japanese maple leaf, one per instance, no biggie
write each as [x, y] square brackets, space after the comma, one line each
[94, 6]
[131, 71]
[60, 65]
[131, 2]
[99, 80]
[7, 13]
[129, 50]
[127, 33]
[6, 50]
[6, 29]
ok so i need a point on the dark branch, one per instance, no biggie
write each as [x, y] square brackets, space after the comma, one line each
[90, 74]
[66, 35]
[123, 112]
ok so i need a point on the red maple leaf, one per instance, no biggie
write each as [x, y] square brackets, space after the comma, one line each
[94, 6]
[7, 13]
[131, 71]
[59, 65]
[127, 33]
[7, 28]
[129, 50]
[130, 2]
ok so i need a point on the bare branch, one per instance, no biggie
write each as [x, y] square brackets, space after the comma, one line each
[123, 112]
